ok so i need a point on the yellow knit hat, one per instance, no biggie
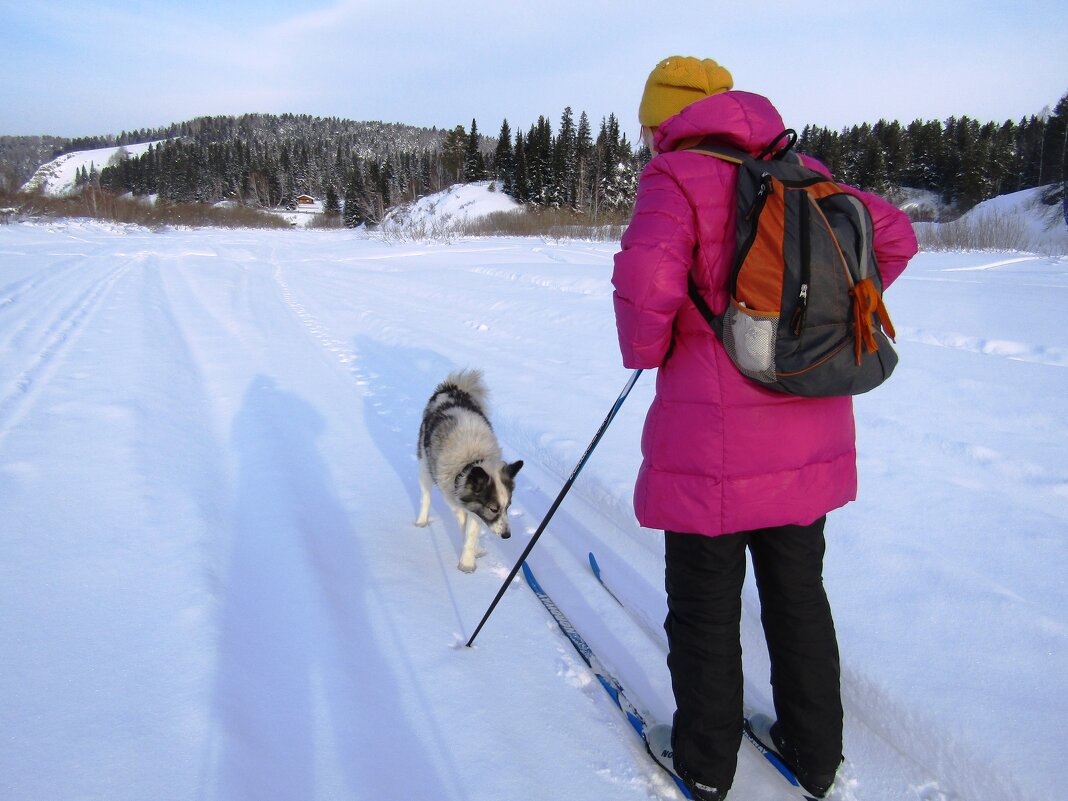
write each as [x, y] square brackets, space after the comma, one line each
[678, 81]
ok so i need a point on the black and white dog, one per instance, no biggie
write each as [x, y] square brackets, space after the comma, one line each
[459, 453]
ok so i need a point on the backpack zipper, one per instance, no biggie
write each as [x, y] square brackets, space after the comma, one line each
[766, 188]
[806, 268]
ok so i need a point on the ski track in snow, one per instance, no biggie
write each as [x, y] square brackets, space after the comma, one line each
[994, 264]
[1007, 349]
[43, 338]
[380, 345]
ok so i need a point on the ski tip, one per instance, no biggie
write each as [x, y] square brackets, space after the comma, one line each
[532, 582]
[593, 564]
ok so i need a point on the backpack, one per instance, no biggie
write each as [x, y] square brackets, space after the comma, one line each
[806, 315]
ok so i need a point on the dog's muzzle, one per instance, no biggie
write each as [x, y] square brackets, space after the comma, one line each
[500, 526]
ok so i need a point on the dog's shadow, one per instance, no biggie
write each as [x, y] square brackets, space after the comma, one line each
[397, 381]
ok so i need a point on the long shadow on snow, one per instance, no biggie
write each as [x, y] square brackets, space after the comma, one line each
[300, 683]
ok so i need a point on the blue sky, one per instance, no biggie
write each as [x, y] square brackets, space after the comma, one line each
[84, 67]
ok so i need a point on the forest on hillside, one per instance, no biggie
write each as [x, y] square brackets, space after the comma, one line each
[361, 169]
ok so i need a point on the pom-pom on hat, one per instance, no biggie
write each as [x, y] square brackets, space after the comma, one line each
[678, 81]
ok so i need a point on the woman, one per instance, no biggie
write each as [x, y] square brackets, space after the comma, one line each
[729, 465]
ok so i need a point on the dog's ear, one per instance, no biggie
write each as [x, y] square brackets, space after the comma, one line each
[511, 469]
[477, 479]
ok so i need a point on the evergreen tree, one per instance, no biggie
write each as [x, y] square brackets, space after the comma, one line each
[970, 184]
[521, 183]
[474, 164]
[539, 162]
[584, 157]
[1029, 135]
[355, 211]
[1060, 119]
[564, 182]
[1054, 145]
[1002, 157]
[425, 173]
[452, 153]
[610, 193]
[387, 187]
[504, 159]
[926, 147]
[332, 207]
[894, 148]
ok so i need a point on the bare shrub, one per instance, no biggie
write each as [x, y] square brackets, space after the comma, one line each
[558, 224]
[420, 229]
[327, 222]
[97, 204]
[922, 213]
[8, 204]
[548, 223]
[991, 231]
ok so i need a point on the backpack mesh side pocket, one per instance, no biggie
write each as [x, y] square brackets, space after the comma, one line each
[749, 337]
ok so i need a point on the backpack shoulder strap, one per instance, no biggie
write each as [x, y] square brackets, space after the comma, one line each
[738, 158]
[702, 306]
[773, 152]
[722, 153]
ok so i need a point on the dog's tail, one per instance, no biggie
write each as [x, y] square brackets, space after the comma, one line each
[469, 381]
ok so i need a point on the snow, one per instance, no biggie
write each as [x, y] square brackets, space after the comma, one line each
[211, 586]
[1044, 226]
[59, 176]
[303, 215]
[442, 212]
[921, 203]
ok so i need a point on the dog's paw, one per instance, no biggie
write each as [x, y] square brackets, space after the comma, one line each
[467, 567]
[423, 523]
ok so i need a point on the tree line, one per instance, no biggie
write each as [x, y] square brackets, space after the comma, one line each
[362, 169]
[569, 168]
[962, 160]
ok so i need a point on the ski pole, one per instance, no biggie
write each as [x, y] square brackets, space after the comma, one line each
[559, 499]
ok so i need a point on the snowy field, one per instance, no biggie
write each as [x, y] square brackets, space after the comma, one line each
[211, 586]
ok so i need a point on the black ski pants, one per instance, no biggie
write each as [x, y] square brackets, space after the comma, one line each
[704, 577]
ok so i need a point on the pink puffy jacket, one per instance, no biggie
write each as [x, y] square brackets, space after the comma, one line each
[722, 454]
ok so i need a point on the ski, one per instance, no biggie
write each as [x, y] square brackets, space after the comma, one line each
[773, 758]
[765, 751]
[611, 685]
[651, 631]
[597, 572]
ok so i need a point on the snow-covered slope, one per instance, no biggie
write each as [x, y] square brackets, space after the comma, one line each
[1043, 226]
[58, 176]
[443, 211]
[211, 586]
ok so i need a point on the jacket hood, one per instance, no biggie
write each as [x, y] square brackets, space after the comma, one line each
[741, 120]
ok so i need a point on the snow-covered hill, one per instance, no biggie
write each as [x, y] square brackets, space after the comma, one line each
[211, 586]
[444, 211]
[1043, 226]
[59, 176]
